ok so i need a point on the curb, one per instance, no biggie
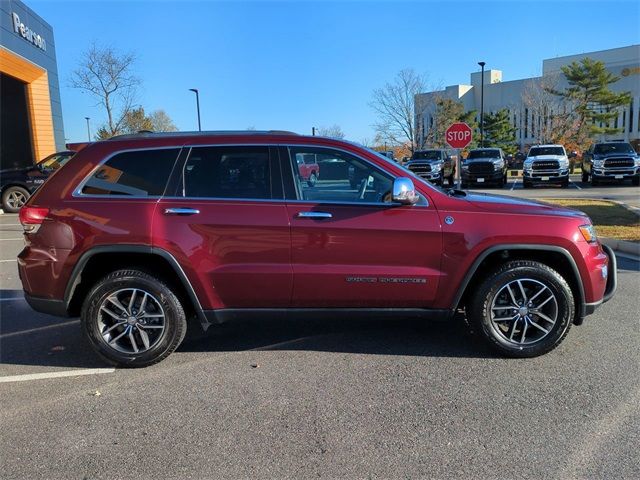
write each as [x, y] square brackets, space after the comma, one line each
[622, 246]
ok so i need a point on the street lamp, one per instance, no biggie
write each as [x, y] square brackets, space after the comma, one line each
[313, 131]
[195, 90]
[88, 130]
[482, 64]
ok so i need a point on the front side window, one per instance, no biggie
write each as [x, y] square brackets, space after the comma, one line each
[139, 173]
[227, 172]
[342, 178]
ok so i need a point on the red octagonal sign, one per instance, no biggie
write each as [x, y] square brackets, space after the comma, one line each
[458, 135]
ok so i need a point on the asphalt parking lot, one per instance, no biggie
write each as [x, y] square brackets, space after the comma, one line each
[279, 398]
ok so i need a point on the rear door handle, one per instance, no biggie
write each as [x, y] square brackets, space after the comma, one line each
[314, 215]
[181, 211]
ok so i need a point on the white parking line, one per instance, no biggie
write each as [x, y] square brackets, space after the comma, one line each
[575, 185]
[11, 299]
[10, 260]
[10, 239]
[39, 329]
[66, 373]
[513, 185]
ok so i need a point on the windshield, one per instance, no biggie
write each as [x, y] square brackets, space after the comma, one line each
[483, 154]
[604, 148]
[56, 160]
[426, 155]
[537, 151]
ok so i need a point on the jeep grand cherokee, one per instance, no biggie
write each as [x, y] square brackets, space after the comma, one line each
[139, 234]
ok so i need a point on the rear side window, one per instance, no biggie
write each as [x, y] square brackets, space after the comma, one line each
[140, 173]
[227, 172]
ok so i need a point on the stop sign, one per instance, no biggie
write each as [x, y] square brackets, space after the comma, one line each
[458, 135]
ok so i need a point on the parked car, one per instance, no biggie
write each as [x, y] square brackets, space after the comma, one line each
[17, 184]
[435, 165]
[484, 166]
[611, 161]
[308, 168]
[544, 165]
[141, 234]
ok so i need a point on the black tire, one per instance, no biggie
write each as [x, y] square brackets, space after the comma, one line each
[313, 179]
[594, 182]
[526, 184]
[635, 180]
[530, 273]
[13, 198]
[585, 177]
[464, 185]
[175, 322]
[565, 183]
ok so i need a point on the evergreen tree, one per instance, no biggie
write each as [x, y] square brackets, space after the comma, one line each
[595, 104]
[499, 131]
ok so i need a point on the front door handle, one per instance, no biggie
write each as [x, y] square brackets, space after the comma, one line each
[181, 211]
[314, 215]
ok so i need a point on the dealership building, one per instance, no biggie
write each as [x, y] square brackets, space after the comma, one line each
[31, 114]
[498, 94]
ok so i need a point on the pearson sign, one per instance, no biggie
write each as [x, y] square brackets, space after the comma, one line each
[28, 34]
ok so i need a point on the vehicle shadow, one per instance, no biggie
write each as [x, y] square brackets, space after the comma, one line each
[31, 339]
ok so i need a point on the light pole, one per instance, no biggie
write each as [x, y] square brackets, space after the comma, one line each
[195, 90]
[313, 131]
[482, 64]
[88, 130]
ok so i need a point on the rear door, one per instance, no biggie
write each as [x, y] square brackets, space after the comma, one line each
[350, 246]
[226, 222]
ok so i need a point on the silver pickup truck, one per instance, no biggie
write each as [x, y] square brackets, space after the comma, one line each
[611, 161]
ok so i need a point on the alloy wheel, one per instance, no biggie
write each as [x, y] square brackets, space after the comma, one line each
[16, 199]
[524, 311]
[131, 321]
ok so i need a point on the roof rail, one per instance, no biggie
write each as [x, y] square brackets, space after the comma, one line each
[148, 133]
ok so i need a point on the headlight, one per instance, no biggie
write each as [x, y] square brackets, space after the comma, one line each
[528, 164]
[589, 233]
[498, 163]
[464, 167]
[599, 163]
[637, 162]
[564, 163]
[436, 166]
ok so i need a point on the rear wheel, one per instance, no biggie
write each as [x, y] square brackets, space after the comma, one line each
[133, 319]
[523, 309]
[313, 179]
[13, 198]
[585, 177]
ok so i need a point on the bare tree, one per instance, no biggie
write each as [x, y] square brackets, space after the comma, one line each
[333, 131]
[394, 105]
[161, 122]
[107, 75]
[556, 118]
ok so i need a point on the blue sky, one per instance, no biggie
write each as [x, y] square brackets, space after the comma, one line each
[294, 65]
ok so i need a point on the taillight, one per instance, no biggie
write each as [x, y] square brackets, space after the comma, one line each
[32, 217]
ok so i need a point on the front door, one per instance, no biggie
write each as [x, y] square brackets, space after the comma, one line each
[227, 223]
[350, 246]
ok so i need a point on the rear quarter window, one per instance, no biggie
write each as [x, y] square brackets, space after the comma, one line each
[139, 173]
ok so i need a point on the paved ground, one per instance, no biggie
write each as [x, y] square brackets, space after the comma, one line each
[624, 192]
[278, 398]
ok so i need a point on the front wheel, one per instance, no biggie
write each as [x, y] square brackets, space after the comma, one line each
[523, 309]
[133, 319]
[635, 181]
[565, 183]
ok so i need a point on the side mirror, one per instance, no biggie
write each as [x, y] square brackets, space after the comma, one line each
[404, 192]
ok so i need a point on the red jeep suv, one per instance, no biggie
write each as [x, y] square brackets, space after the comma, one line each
[141, 233]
